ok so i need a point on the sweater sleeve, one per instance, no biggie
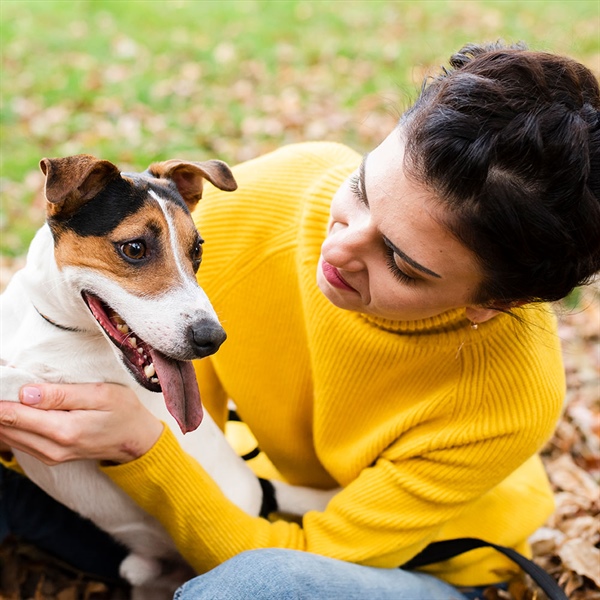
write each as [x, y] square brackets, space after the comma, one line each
[206, 527]
[362, 523]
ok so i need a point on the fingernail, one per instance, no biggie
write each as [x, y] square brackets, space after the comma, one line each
[31, 395]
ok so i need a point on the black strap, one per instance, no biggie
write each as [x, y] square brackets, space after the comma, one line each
[252, 454]
[233, 416]
[63, 327]
[269, 501]
[439, 551]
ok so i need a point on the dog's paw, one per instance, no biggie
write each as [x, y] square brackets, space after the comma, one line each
[139, 570]
[174, 574]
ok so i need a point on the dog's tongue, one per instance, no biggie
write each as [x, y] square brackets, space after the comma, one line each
[180, 390]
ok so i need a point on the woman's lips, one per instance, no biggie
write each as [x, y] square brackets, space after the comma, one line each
[334, 278]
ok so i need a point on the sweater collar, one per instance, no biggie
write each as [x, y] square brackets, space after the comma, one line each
[452, 320]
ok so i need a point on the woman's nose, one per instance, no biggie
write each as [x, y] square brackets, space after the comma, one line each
[347, 245]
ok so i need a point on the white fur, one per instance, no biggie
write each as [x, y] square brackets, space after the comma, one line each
[33, 350]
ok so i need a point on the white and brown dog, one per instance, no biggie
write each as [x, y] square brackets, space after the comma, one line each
[109, 294]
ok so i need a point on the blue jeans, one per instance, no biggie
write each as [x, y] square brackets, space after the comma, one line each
[275, 574]
[30, 515]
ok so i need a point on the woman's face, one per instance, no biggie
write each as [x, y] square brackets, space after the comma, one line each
[386, 253]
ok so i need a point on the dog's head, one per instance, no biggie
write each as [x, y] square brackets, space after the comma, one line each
[126, 244]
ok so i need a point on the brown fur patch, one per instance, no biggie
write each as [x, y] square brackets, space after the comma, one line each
[72, 181]
[189, 177]
[147, 277]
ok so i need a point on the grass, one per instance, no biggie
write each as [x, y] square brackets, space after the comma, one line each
[137, 81]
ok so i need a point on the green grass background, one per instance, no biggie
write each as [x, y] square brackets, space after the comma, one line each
[136, 81]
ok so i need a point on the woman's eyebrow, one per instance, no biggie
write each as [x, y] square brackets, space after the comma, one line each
[408, 260]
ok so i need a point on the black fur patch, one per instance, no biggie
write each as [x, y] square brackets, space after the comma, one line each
[119, 199]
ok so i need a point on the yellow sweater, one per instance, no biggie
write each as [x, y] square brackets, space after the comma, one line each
[431, 428]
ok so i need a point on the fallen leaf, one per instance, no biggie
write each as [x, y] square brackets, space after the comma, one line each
[566, 475]
[583, 558]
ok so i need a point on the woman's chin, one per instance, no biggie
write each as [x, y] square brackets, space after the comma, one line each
[344, 299]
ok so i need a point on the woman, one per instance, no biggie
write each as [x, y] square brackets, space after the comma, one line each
[421, 372]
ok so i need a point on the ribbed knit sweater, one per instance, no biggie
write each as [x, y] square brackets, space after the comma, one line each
[431, 428]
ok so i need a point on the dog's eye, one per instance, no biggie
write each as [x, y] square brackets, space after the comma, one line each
[135, 250]
[197, 254]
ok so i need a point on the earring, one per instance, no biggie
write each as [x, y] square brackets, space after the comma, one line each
[474, 326]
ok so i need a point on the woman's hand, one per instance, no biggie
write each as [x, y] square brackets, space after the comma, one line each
[58, 423]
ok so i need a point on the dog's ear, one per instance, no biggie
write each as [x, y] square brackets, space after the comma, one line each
[189, 177]
[72, 181]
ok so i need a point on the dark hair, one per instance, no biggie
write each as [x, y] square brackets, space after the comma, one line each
[509, 140]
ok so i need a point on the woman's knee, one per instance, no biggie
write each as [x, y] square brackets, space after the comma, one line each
[269, 573]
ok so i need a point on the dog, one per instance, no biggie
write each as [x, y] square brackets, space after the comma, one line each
[109, 294]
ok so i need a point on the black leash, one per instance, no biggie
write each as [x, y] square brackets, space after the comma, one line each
[439, 551]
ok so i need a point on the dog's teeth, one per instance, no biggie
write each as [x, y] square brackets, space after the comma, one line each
[117, 319]
[149, 370]
[140, 350]
[154, 379]
[133, 342]
[122, 327]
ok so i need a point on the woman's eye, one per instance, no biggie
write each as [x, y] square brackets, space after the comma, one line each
[135, 250]
[354, 183]
[398, 273]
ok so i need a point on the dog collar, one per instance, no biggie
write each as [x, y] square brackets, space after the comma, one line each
[63, 327]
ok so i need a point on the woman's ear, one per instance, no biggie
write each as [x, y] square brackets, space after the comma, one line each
[480, 314]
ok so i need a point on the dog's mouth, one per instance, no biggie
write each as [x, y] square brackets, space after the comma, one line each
[153, 370]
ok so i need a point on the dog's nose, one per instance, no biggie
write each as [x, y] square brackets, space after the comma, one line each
[206, 337]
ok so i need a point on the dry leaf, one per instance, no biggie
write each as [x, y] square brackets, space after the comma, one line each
[585, 527]
[581, 557]
[69, 593]
[567, 476]
[546, 540]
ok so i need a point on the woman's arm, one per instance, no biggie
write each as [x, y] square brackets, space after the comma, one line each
[382, 519]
